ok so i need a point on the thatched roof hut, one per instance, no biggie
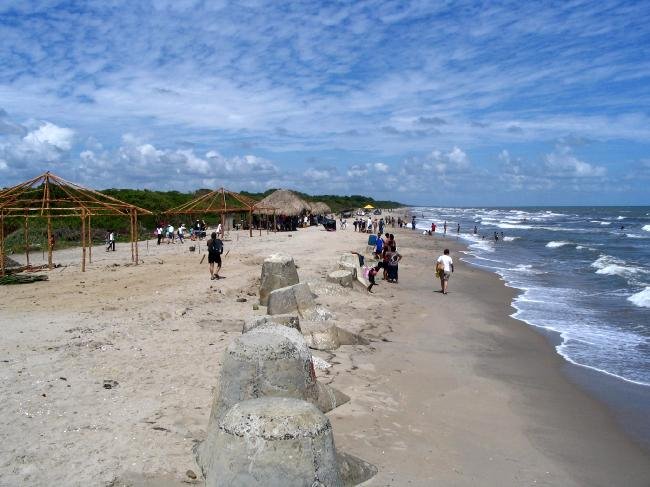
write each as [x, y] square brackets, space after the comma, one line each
[286, 203]
[320, 208]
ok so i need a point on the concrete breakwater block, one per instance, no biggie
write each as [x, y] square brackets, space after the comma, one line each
[288, 320]
[343, 277]
[328, 336]
[278, 270]
[260, 365]
[273, 442]
[354, 470]
[290, 299]
[322, 395]
[350, 261]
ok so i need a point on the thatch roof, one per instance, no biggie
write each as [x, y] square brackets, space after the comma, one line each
[285, 202]
[320, 208]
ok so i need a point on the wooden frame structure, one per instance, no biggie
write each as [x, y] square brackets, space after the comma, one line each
[49, 196]
[222, 201]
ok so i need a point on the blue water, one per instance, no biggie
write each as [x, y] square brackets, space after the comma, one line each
[581, 275]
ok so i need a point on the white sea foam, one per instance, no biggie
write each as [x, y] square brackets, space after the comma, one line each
[641, 299]
[509, 239]
[646, 228]
[611, 266]
[526, 269]
[511, 225]
[621, 217]
[557, 244]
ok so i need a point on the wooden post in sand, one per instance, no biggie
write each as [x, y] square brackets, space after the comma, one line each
[83, 240]
[90, 243]
[275, 223]
[2, 243]
[49, 241]
[250, 223]
[26, 231]
[132, 249]
[137, 234]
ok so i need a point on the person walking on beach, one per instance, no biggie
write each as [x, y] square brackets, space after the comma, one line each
[413, 223]
[215, 249]
[111, 241]
[445, 228]
[444, 268]
[458, 229]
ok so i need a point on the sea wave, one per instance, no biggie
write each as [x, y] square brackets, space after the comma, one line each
[641, 299]
[612, 266]
[646, 228]
[557, 244]
[509, 239]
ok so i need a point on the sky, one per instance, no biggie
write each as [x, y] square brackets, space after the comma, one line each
[428, 103]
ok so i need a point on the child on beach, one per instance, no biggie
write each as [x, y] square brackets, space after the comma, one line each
[371, 277]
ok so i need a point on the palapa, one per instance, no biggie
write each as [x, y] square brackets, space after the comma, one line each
[220, 202]
[320, 208]
[49, 196]
[286, 203]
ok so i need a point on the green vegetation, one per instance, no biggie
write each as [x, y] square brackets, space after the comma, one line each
[67, 231]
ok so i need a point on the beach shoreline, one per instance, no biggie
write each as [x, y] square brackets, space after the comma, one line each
[450, 391]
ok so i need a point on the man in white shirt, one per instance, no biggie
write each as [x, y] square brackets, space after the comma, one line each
[447, 265]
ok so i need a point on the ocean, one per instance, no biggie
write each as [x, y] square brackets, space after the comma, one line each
[583, 272]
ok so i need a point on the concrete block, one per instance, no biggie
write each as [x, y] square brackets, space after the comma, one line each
[273, 442]
[290, 299]
[278, 270]
[343, 277]
[289, 320]
[260, 365]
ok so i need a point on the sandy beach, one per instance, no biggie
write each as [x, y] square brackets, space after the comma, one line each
[451, 390]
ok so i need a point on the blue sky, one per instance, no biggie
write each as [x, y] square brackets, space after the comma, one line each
[440, 103]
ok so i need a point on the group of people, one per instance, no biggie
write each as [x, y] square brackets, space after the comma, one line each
[170, 234]
[386, 252]
[372, 225]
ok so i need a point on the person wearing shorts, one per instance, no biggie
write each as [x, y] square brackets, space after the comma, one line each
[447, 268]
[215, 249]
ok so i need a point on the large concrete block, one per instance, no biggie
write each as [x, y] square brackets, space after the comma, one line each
[350, 261]
[289, 320]
[322, 395]
[273, 442]
[260, 365]
[278, 270]
[290, 299]
[326, 335]
[343, 277]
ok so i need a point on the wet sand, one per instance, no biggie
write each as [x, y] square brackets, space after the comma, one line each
[450, 391]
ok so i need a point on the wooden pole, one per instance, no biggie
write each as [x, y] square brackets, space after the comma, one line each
[49, 241]
[137, 234]
[83, 241]
[132, 249]
[26, 240]
[90, 243]
[250, 223]
[2, 243]
[49, 221]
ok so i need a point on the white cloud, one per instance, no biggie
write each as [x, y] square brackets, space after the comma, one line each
[563, 162]
[381, 167]
[49, 134]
